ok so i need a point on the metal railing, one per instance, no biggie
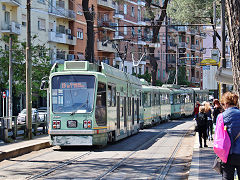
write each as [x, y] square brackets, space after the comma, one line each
[11, 129]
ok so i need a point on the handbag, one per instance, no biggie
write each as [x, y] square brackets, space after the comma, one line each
[222, 142]
[217, 165]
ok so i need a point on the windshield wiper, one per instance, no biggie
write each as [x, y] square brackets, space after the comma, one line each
[86, 103]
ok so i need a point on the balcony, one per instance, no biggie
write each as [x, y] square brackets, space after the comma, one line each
[107, 25]
[141, 22]
[194, 46]
[105, 47]
[62, 38]
[106, 4]
[141, 3]
[182, 45]
[12, 28]
[118, 35]
[192, 31]
[12, 2]
[172, 28]
[60, 11]
[172, 44]
[119, 15]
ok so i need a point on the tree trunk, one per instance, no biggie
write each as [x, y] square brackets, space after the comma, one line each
[155, 28]
[89, 16]
[233, 12]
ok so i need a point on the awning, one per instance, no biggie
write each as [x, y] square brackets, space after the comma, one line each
[224, 75]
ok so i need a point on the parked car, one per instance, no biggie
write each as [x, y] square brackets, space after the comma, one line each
[42, 111]
[21, 119]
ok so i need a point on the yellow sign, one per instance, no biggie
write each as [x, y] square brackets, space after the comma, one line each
[209, 62]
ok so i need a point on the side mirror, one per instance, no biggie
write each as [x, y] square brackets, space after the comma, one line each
[43, 85]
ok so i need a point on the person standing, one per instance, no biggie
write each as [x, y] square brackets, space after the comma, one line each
[231, 119]
[217, 109]
[208, 112]
[196, 109]
[202, 126]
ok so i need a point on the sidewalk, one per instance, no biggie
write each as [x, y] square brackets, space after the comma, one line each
[22, 147]
[202, 161]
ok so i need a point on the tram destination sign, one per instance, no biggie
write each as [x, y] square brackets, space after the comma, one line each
[73, 85]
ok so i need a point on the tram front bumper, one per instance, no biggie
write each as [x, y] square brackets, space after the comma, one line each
[71, 140]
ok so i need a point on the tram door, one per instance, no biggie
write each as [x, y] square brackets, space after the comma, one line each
[138, 111]
[133, 111]
[125, 112]
[118, 114]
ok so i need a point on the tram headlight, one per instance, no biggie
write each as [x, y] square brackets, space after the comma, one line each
[87, 124]
[56, 124]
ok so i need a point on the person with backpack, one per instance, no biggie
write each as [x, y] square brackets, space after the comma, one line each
[231, 119]
[208, 112]
[201, 119]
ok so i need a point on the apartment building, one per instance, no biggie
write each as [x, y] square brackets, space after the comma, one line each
[187, 44]
[129, 39]
[10, 18]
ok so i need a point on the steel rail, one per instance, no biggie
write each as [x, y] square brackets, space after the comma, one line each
[59, 166]
[118, 164]
[166, 168]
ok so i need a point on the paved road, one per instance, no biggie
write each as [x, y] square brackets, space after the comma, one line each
[147, 155]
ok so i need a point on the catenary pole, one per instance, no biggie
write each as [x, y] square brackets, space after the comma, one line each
[176, 65]
[29, 73]
[223, 54]
[10, 105]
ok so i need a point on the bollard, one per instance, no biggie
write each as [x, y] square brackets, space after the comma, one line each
[15, 128]
[1, 129]
[5, 130]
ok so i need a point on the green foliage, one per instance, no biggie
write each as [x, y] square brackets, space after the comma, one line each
[40, 66]
[192, 11]
[182, 80]
[147, 76]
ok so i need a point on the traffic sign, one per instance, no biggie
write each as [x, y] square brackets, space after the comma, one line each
[7, 93]
[4, 94]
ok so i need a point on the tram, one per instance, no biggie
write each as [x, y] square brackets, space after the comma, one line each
[93, 105]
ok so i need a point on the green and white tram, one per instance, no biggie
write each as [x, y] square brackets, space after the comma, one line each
[92, 105]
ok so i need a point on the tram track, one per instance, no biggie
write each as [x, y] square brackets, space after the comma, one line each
[118, 164]
[66, 163]
[163, 169]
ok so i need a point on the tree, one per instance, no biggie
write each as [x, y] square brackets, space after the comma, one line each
[193, 12]
[156, 24]
[233, 14]
[182, 79]
[89, 16]
[41, 66]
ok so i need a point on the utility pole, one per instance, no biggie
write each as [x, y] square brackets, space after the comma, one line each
[176, 65]
[214, 28]
[10, 78]
[223, 53]
[215, 39]
[29, 73]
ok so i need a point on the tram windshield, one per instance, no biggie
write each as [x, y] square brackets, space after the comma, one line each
[73, 93]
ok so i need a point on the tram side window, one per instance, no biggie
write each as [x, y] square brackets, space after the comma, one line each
[121, 106]
[129, 106]
[168, 99]
[160, 99]
[150, 100]
[140, 103]
[100, 111]
[109, 96]
[114, 96]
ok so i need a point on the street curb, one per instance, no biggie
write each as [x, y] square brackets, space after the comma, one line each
[194, 168]
[23, 150]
